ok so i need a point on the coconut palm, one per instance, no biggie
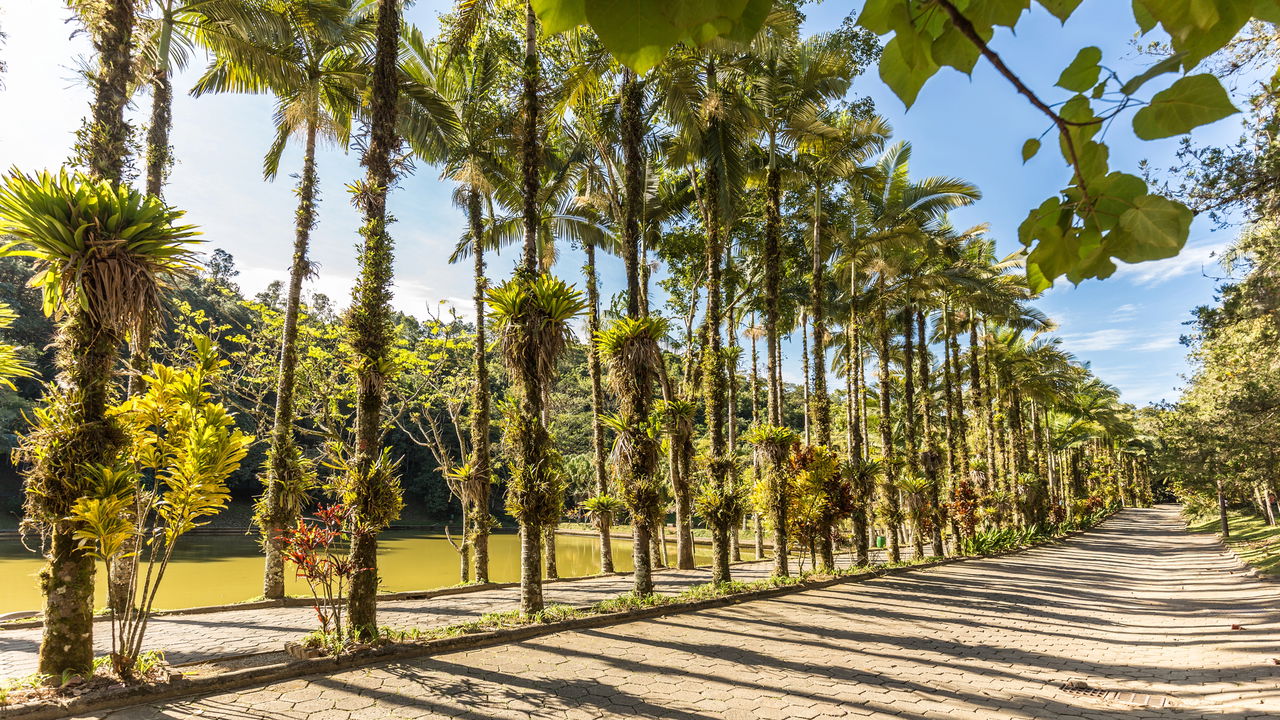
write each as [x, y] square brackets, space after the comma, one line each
[314, 63]
[103, 253]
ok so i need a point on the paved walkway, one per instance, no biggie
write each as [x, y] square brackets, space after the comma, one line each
[204, 636]
[1136, 605]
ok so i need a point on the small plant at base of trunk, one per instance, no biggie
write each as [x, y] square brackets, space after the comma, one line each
[318, 550]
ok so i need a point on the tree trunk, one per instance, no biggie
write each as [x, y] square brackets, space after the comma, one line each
[641, 557]
[549, 550]
[87, 359]
[481, 469]
[372, 331]
[930, 460]
[107, 142]
[530, 569]
[889, 488]
[1222, 511]
[597, 397]
[712, 360]
[772, 262]
[820, 401]
[284, 479]
[804, 363]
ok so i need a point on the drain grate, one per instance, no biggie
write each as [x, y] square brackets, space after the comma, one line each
[1124, 697]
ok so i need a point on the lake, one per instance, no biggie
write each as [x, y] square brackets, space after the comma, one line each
[218, 569]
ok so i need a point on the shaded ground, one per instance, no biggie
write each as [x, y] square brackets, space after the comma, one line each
[205, 636]
[1137, 605]
[1256, 542]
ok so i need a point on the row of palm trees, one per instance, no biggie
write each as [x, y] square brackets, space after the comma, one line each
[805, 216]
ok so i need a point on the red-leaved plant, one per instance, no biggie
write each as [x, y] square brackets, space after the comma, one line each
[318, 549]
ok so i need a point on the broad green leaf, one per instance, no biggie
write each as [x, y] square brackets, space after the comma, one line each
[1083, 72]
[986, 13]
[1060, 9]
[640, 32]
[875, 15]
[953, 49]
[1198, 28]
[1190, 102]
[1093, 159]
[1168, 65]
[1029, 149]
[905, 66]
[559, 15]
[1154, 228]
[1113, 196]
[1146, 21]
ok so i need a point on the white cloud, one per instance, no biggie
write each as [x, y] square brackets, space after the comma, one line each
[1108, 339]
[1164, 342]
[1124, 313]
[1196, 258]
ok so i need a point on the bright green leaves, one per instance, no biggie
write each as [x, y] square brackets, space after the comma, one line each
[1060, 9]
[1029, 149]
[1197, 28]
[906, 64]
[640, 32]
[1083, 72]
[1079, 237]
[1190, 102]
[1154, 228]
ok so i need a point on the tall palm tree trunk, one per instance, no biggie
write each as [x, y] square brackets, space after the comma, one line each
[772, 270]
[481, 464]
[889, 488]
[820, 402]
[284, 475]
[929, 459]
[86, 357]
[604, 519]
[370, 324]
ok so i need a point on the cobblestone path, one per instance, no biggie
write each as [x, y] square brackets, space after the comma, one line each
[1136, 606]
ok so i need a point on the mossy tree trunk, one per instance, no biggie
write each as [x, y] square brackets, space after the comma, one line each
[889, 489]
[371, 329]
[930, 459]
[86, 355]
[284, 480]
[605, 520]
[481, 471]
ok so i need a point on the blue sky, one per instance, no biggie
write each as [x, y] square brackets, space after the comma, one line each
[1127, 327]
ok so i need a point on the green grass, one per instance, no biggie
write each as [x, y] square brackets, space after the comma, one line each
[1256, 542]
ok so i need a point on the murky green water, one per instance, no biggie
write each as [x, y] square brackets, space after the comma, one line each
[216, 569]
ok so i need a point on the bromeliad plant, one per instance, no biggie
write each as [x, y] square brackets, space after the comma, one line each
[102, 252]
[531, 315]
[773, 443]
[181, 448]
[634, 361]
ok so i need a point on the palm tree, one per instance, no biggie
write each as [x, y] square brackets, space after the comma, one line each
[103, 252]
[454, 93]
[314, 64]
[896, 212]
[630, 349]
[371, 481]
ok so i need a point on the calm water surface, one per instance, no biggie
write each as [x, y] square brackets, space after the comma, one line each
[217, 569]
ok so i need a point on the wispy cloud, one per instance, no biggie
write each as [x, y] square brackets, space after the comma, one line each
[1124, 313]
[1164, 342]
[1200, 257]
[1108, 339]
